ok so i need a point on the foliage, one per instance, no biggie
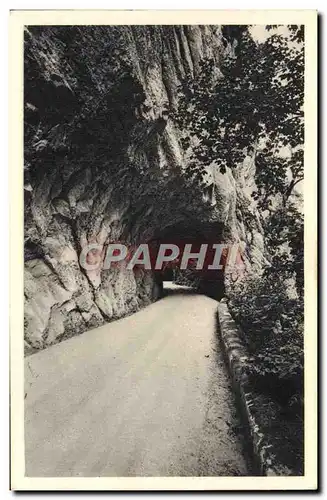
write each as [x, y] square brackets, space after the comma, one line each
[270, 310]
[272, 322]
[253, 108]
[284, 230]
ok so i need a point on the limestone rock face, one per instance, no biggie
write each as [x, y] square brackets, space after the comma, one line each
[103, 163]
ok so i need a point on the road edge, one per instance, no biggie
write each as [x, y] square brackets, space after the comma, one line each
[236, 354]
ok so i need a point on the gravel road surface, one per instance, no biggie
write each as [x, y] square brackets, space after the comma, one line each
[147, 395]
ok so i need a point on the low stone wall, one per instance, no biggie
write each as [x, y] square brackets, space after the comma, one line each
[236, 354]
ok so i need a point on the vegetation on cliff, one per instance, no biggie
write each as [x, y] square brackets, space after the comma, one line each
[253, 108]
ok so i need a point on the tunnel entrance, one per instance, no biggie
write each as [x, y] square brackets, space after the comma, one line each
[191, 236]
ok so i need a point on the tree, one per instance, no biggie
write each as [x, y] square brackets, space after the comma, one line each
[253, 107]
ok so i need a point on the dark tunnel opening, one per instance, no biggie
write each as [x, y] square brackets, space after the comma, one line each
[207, 281]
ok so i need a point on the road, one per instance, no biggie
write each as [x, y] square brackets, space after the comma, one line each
[147, 395]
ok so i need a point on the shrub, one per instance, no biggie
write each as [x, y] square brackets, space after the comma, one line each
[271, 317]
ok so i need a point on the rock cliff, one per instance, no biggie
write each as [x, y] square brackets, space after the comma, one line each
[103, 163]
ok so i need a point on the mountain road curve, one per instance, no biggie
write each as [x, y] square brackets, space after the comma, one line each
[147, 395]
